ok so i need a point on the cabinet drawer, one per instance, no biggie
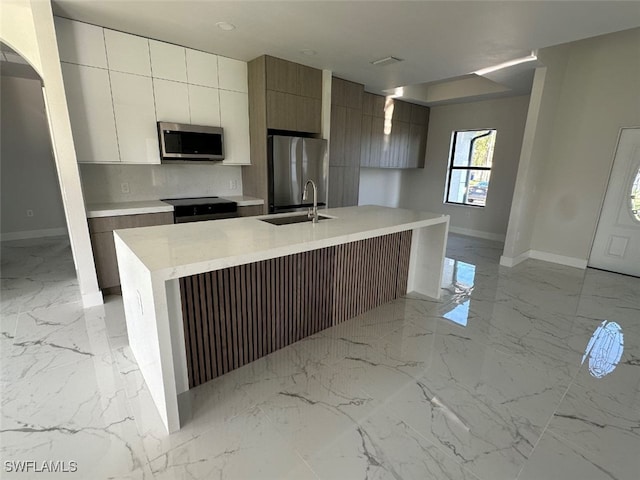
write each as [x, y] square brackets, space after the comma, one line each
[251, 210]
[108, 224]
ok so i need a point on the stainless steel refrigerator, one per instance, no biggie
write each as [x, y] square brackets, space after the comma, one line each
[293, 161]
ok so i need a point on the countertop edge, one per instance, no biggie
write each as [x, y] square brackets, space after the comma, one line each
[113, 211]
[116, 209]
[175, 272]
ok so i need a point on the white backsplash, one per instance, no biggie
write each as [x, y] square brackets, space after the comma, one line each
[104, 183]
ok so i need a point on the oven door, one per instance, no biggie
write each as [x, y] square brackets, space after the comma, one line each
[204, 217]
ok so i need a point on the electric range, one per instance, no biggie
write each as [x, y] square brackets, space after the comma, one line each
[201, 208]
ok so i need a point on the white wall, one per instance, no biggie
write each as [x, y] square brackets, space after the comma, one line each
[28, 177]
[539, 127]
[423, 189]
[379, 187]
[102, 183]
[589, 93]
[27, 27]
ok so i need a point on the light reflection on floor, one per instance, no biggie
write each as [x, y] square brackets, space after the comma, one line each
[458, 280]
[604, 349]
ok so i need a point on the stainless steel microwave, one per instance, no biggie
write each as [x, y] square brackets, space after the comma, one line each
[190, 143]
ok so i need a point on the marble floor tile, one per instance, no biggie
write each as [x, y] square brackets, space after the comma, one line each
[555, 459]
[485, 436]
[74, 413]
[489, 439]
[381, 447]
[602, 417]
[506, 380]
[246, 447]
[52, 337]
[203, 408]
[486, 383]
[35, 274]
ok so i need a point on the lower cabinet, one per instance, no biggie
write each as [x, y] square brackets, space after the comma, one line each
[344, 186]
[104, 250]
[251, 210]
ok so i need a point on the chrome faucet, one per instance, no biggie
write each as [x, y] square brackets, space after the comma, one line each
[313, 212]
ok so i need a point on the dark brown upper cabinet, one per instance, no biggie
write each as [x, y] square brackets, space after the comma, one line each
[345, 142]
[394, 133]
[283, 96]
[282, 76]
[294, 96]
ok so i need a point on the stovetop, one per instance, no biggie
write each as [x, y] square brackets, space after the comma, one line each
[187, 202]
[201, 208]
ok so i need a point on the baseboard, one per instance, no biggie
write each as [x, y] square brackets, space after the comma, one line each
[545, 257]
[47, 232]
[477, 233]
[560, 259]
[92, 299]
[513, 261]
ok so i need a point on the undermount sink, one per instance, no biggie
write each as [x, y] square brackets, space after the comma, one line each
[292, 219]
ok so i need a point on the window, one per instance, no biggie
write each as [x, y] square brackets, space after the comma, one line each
[470, 167]
[635, 197]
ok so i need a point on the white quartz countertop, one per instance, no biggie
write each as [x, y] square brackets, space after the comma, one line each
[114, 209]
[244, 200]
[173, 251]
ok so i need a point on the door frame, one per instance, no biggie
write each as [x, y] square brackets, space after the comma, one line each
[604, 196]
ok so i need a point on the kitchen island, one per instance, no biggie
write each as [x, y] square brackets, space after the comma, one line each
[204, 298]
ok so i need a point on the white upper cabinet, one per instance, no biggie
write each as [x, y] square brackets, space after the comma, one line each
[204, 104]
[234, 119]
[119, 86]
[232, 74]
[168, 61]
[202, 68]
[91, 113]
[80, 43]
[127, 53]
[135, 118]
[172, 101]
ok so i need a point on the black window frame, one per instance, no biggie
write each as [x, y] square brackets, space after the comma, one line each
[451, 167]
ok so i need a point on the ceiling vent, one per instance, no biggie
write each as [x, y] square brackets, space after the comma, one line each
[386, 61]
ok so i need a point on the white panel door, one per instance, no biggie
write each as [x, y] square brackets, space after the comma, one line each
[172, 101]
[168, 61]
[202, 68]
[617, 243]
[127, 53]
[91, 113]
[232, 74]
[204, 104]
[135, 118]
[234, 119]
[80, 43]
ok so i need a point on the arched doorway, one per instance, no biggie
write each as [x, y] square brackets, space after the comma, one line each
[37, 267]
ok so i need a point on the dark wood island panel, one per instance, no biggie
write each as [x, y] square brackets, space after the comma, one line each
[236, 315]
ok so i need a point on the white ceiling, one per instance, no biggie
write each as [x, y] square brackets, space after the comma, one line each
[437, 39]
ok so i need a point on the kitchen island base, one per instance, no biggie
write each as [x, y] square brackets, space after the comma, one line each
[219, 256]
[236, 315]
